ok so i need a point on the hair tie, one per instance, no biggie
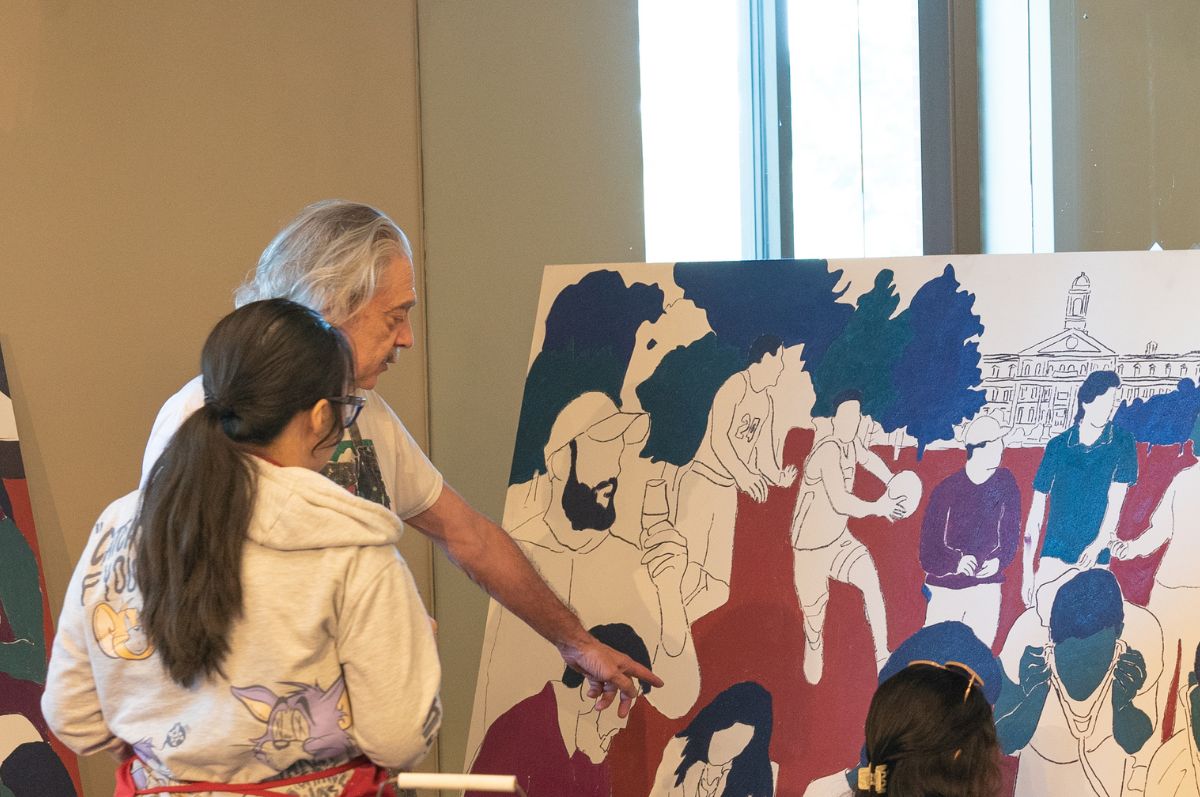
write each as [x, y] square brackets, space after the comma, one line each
[218, 411]
[873, 778]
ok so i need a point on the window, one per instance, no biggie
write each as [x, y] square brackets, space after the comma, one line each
[691, 130]
[856, 127]
[781, 128]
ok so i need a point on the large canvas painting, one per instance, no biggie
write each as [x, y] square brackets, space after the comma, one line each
[31, 760]
[780, 482]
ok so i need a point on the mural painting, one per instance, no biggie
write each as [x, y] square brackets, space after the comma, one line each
[32, 762]
[779, 482]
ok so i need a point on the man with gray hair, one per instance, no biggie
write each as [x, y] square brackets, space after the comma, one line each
[351, 263]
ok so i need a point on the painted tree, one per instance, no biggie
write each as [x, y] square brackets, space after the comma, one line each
[935, 379]
[680, 392]
[1167, 419]
[863, 356]
[794, 299]
[591, 331]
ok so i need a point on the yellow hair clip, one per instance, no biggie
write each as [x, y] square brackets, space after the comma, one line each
[873, 778]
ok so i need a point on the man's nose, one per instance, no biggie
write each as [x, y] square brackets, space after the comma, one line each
[404, 336]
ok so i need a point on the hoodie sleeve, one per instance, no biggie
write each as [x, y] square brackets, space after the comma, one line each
[390, 661]
[70, 702]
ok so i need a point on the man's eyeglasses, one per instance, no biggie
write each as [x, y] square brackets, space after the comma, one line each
[351, 407]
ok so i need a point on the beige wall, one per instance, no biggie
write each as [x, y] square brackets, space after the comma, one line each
[148, 151]
[1126, 124]
[532, 155]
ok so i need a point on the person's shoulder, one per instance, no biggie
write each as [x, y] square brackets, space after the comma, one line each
[188, 398]
[826, 448]
[378, 418]
[957, 477]
[377, 409]
[950, 485]
[825, 453]
[1172, 758]
[535, 532]
[1123, 436]
[1063, 438]
[120, 511]
[1188, 476]
[1004, 478]
[734, 386]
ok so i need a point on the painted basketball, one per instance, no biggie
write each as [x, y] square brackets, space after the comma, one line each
[906, 484]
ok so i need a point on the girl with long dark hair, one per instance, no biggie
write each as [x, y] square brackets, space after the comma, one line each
[242, 624]
[930, 733]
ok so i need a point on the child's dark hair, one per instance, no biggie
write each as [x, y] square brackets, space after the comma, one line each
[261, 365]
[933, 729]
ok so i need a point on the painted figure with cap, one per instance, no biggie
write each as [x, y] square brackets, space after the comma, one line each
[969, 534]
[605, 577]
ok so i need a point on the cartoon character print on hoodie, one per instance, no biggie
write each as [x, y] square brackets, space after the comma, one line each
[306, 722]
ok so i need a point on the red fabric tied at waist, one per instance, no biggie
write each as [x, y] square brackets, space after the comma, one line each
[364, 782]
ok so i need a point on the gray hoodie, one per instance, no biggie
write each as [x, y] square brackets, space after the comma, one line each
[333, 655]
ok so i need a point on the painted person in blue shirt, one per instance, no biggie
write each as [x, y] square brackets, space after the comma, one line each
[1084, 476]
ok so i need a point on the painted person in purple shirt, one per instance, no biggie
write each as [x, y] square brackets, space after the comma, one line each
[970, 533]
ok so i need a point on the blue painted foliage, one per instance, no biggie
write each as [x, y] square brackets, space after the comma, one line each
[591, 331]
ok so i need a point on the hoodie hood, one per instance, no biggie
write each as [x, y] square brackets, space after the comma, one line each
[298, 509]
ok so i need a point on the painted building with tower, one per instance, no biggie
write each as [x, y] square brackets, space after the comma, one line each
[1034, 391]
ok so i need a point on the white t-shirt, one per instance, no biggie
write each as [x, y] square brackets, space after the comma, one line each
[411, 481]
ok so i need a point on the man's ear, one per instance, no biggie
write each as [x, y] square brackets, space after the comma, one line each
[559, 466]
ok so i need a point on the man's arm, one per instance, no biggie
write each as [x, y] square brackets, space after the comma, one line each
[1009, 522]
[1162, 527]
[843, 502]
[1125, 473]
[768, 457]
[1031, 541]
[1020, 705]
[722, 420]
[872, 462]
[1132, 727]
[489, 556]
[937, 558]
[1108, 526]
